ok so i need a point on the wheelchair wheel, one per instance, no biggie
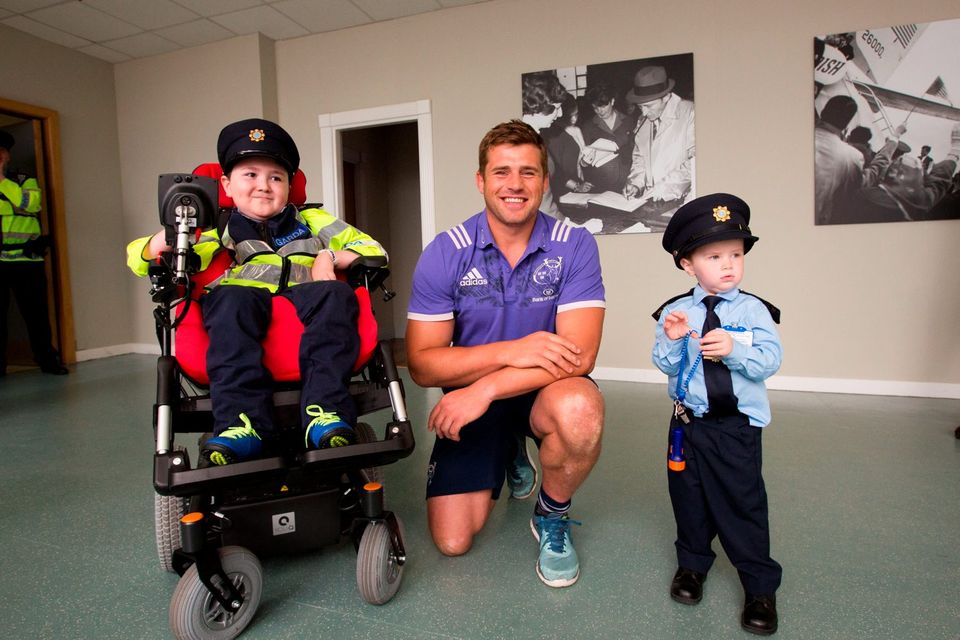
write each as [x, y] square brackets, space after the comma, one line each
[378, 574]
[167, 511]
[196, 615]
[366, 434]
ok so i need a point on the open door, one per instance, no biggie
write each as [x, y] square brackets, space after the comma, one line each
[38, 150]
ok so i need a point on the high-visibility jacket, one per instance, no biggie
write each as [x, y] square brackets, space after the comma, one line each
[19, 218]
[257, 264]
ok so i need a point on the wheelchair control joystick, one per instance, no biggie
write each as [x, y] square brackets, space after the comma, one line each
[187, 206]
[186, 214]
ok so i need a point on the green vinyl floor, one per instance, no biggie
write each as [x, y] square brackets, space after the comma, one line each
[865, 519]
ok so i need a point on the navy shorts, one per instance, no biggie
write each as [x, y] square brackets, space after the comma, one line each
[479, 459]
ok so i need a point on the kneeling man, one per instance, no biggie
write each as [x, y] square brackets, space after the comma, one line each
[506, 316]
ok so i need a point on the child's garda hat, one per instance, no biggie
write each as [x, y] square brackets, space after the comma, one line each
[256, 137]
[711, 218]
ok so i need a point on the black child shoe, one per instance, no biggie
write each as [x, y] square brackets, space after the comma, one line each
[687, 586]
[760, 615]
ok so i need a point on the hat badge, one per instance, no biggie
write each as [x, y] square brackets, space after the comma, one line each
[257, 135]
[721, 214]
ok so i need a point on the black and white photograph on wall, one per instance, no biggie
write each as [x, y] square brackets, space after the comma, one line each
[620, 141]
[887, 133]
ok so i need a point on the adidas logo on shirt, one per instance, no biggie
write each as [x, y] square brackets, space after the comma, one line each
[472, 278]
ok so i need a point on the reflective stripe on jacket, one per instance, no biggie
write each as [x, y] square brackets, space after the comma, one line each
[259, 265]
[19, 218]
[256, 264]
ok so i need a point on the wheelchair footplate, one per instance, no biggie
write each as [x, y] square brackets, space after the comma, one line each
[174, 477]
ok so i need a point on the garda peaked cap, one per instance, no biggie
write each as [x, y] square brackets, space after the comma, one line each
[6, 140]
[256, 137]
[710, 218]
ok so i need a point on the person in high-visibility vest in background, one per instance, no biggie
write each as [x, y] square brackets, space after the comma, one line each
[21, 262]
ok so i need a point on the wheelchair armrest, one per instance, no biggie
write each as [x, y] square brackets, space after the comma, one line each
[368, 263]
[368, 271]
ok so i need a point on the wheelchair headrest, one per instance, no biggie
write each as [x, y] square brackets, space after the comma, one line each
[298, 186]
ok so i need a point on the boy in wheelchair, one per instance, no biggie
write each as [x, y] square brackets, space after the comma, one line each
[277, 251]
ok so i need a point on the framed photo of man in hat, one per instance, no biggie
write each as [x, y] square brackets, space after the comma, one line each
[620, 141]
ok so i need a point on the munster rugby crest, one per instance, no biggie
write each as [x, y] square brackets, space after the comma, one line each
[547, 275]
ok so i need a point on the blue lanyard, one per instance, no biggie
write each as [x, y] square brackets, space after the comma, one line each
[682, 388]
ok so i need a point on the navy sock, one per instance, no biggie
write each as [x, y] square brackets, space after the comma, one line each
[547, 505]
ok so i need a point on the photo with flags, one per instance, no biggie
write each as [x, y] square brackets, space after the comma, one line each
[887, 134]
[938, 89]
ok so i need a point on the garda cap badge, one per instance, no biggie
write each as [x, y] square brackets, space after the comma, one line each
[257, 135]
[721, 214]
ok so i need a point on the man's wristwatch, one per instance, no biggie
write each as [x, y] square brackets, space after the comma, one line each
[333, 255]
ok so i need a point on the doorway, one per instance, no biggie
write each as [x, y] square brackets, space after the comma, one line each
[378, 166]
[37, 153]
[381, 192]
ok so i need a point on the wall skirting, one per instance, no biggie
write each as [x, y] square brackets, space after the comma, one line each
[652, 376]
[118, 350]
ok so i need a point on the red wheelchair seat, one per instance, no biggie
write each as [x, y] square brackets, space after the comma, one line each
[281, 346]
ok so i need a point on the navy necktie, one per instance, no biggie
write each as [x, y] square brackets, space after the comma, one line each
[716, 376]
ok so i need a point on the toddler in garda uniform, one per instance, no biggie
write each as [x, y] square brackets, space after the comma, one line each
[718, 344]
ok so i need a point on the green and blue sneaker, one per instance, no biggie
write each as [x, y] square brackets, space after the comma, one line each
[522, 472]
[327, 430]
[558, 565]
[234, 444]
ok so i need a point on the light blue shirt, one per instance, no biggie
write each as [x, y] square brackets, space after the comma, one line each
[749, 365]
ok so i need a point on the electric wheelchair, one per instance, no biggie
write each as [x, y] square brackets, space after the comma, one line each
[212, 520]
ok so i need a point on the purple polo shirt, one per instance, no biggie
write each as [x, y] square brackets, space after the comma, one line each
[462, 276]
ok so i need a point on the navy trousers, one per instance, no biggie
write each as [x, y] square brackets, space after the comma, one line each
[721, 494]
[28, 282]
[237, 319]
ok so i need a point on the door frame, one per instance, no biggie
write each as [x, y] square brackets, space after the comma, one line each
[52, 185]
[331, 154]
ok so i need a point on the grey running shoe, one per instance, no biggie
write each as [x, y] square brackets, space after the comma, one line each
[558, 565]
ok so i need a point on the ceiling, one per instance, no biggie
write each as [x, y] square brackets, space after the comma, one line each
[119, 30]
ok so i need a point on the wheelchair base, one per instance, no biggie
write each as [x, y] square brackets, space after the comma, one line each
[284, 525]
